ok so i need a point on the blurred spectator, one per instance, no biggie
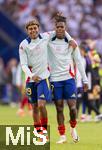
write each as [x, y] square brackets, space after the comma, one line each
[10, 92]
[20, 82]
[84, 15]
[14, 91]
[95, 61]
[2, 79]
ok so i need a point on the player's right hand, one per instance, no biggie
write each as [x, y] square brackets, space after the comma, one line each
[85, 87]
[36, 79]
[72, 44]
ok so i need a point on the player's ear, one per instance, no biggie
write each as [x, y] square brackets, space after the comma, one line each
[39, 28]
[26, 28]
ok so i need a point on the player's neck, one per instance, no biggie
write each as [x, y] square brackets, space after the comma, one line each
[34, 38]
[60, 38]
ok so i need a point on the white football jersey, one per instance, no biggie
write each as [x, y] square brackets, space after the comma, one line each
[61, 58]
[33, 57]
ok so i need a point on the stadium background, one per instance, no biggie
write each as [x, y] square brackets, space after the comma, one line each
[84, 22]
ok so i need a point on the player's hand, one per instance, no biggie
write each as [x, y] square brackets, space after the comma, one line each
[85, 87]
[72, 44]
[36, 79]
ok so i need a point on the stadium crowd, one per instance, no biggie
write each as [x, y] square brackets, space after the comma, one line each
[84, 25]
[85, 17]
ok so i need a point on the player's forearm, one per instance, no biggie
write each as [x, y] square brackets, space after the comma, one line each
[27, 71]
[82, 72]
[68, 36]
[80, 65]
[48, 34]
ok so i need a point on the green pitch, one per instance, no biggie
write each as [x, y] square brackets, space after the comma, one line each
[90, 133]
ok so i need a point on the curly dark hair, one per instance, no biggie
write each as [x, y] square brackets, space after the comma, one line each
[59, 17]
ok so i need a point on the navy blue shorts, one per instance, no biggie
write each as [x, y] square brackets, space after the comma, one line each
[64, 89]
[38, 91]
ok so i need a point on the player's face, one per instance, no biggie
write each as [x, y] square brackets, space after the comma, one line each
[33, 31]
[60, 30]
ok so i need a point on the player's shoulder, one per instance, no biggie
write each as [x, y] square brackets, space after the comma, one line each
[25, 42]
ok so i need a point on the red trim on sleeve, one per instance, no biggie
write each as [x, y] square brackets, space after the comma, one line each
[73, 74]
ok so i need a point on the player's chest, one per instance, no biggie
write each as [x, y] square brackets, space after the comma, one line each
[34, 49]
[60, 49]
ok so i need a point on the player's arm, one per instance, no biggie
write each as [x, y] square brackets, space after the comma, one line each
[48, 35]
[78, 61]
[71, 41]
[24, 63]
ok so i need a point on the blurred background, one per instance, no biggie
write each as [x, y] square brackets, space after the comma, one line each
[84, 23]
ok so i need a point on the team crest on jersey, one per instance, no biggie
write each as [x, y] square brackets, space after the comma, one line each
[58, 48]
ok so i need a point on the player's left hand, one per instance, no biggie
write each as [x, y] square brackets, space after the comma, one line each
[36, 79]
[85, 87]
[72, 44]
